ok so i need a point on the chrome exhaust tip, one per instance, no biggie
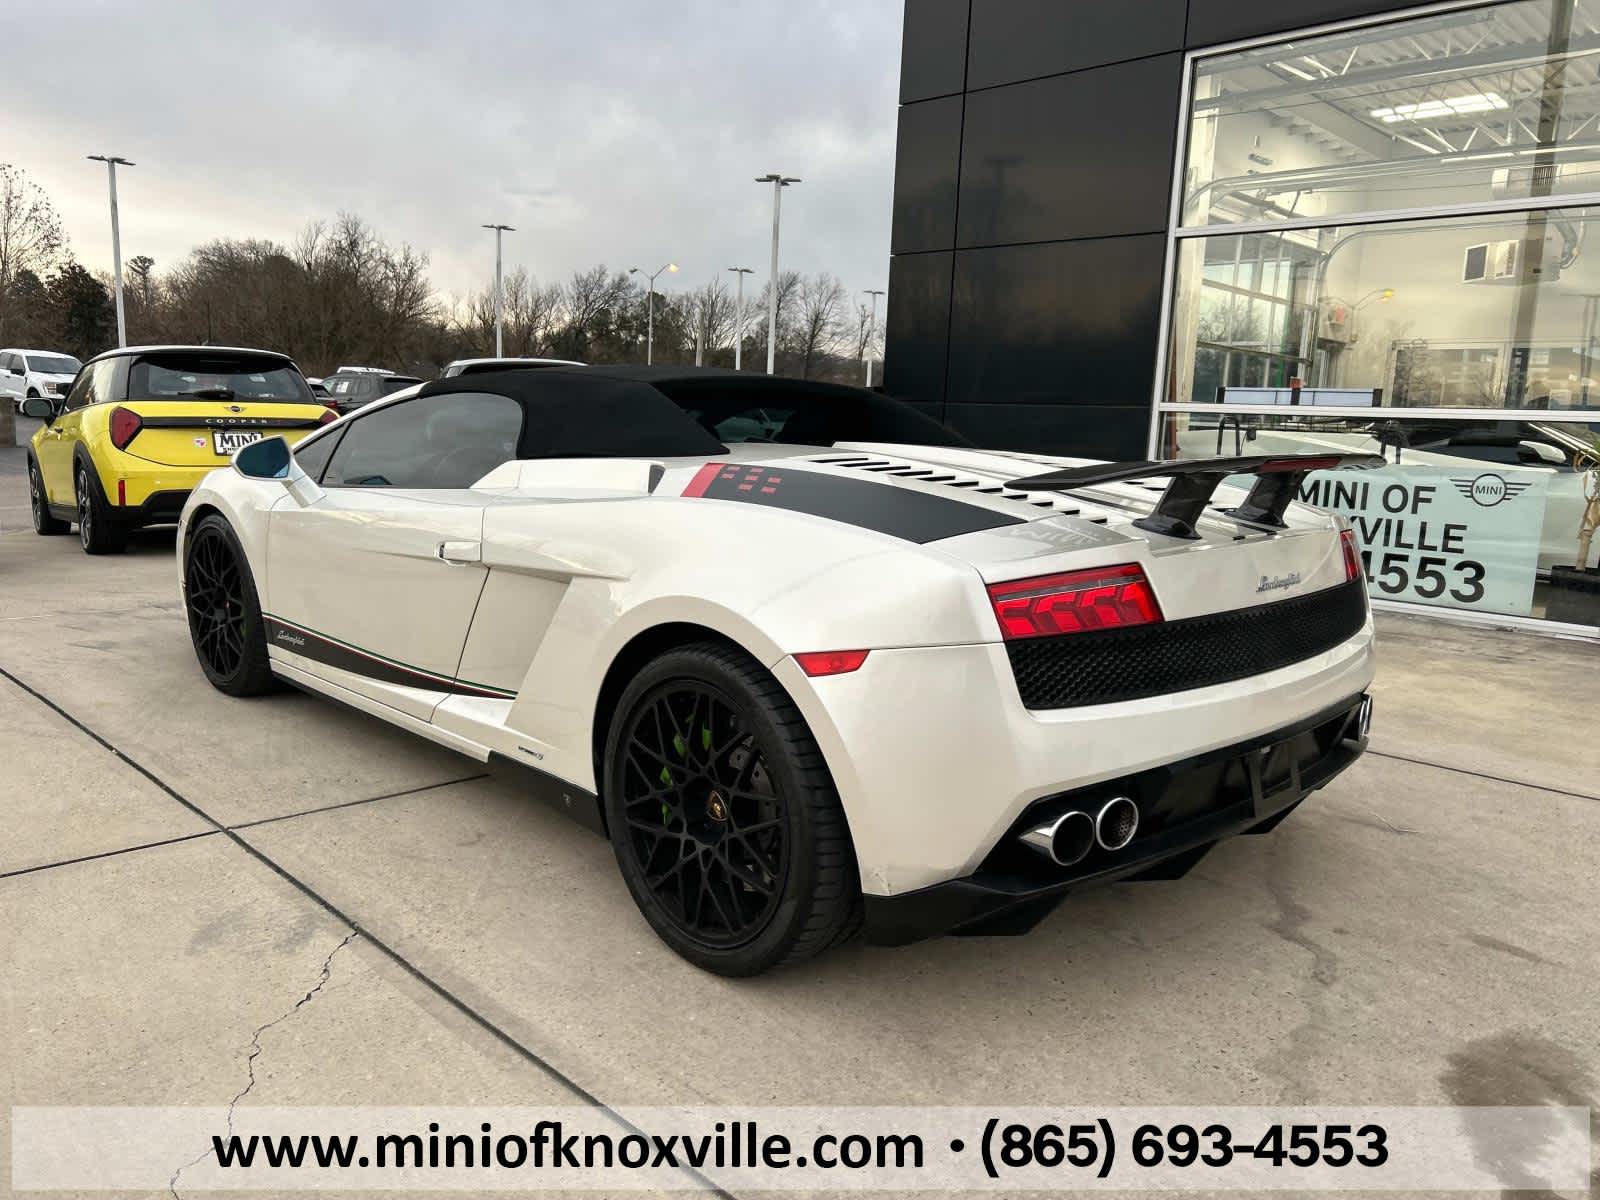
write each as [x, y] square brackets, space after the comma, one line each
[1066, 840]
[1116, 823]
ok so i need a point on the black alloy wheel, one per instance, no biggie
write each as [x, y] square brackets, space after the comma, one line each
[725, 821]
[704, 822]
[96, 531]
[224, 615]
[45, 523]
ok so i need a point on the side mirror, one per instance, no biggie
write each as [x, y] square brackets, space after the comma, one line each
[270, 458]
[39, 408]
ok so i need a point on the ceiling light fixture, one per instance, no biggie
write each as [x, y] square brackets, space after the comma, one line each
[1428, 110]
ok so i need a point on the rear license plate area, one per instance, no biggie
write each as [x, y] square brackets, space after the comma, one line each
[228, 442]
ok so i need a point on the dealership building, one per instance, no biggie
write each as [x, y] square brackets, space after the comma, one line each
[1183, 228]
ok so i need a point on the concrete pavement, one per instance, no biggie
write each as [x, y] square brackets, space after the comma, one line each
[181, 868]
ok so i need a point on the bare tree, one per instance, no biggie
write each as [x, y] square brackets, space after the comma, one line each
[819, 322]
[31, 237]
[529, 315]
[596, 308]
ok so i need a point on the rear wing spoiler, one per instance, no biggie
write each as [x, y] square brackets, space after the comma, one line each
[1278, 477]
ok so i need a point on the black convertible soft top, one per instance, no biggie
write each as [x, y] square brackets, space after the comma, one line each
[583, 413]
[638, 411]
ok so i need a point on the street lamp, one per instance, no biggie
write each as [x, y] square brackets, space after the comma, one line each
[778, 182]
[872, 328]
[112, 162]
[499, 231]
[650, 310]
[738, 320]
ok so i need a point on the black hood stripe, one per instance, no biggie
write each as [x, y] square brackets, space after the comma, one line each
[907, 513]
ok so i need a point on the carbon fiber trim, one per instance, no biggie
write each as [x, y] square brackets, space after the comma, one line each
[1076, 669]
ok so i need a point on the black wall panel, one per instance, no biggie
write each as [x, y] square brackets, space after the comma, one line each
[927, 160]
[1080, 431]
[1215, 21]
[933, 50]
[1081, 155]
[1023, 39]
[1066, 323]
[917, 325]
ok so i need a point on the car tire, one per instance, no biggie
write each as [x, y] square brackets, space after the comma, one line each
[97, 531]
[738, 807]
[224, 612]
[45, 524]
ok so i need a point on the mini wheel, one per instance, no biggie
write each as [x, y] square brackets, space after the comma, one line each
[45, 523]
[97, 532]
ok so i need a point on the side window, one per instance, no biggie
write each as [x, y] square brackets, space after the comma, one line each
[448, 441]
[8, 363]
[314, 457]
[85, 389]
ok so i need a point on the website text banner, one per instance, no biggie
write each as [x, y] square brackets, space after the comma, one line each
[856, 1149]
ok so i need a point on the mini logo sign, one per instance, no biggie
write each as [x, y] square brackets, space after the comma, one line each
[1273, 583]
[1490, 489]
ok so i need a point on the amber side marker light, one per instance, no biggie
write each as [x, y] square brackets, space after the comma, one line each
[1076, 602]
[831, 662]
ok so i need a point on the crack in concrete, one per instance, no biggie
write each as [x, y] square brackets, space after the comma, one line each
[255, 1052]
[1288, 1064]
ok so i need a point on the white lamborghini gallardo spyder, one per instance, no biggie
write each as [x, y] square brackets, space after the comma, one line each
[811, 662]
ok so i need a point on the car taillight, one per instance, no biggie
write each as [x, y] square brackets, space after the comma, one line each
[831, 662]
[329, 417]
[125, 423]
[1076, 602]
[1352, 555]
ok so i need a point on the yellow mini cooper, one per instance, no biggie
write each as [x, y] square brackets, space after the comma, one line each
[141, 426]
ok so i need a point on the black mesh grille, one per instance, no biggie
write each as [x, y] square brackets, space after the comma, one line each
[1174, 656]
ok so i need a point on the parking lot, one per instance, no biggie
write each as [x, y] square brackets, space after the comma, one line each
[179, 870]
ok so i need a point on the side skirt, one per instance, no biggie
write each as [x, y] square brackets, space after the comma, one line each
[581, 805]
[374, 708]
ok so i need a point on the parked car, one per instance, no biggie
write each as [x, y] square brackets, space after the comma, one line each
[350, 388]
[25, 373]
[473, 366]
[855, 674]
[141, 426]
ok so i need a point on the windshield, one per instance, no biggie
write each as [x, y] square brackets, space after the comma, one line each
[53, 364]
[217, 377]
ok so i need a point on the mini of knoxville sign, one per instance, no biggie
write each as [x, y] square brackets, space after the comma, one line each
[1466, 538]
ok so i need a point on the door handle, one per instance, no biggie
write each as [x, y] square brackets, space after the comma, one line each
[460, 553]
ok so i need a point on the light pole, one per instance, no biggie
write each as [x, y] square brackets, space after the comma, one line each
[499, 231]
[738, 319]
[112, 162]
[778, 182]
[872, 328]
[650, 310]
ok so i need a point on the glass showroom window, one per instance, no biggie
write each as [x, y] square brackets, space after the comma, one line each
[1393, 229]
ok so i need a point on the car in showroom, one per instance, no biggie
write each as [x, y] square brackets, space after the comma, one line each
[25, 373]
[849, 674]
[141, 426]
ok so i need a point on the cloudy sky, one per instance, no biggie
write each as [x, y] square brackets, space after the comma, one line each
[616, 131]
